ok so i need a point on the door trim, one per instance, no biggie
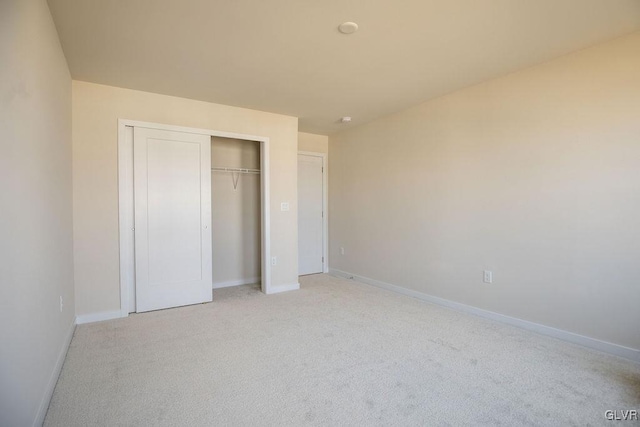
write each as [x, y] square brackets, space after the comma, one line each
[325, 205]
[125, 202]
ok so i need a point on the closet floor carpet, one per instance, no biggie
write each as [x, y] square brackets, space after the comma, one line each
[335, 352]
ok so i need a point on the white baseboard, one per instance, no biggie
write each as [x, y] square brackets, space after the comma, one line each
[603, 346]
[53, 379]
[98, 317]
[284, 288]
[229, 283]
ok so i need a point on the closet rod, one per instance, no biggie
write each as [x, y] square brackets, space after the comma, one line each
[240, 170]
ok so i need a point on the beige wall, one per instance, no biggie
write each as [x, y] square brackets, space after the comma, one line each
[96, 109]
[535, 176]
[313, 142]
[236, 212]
[36, 252]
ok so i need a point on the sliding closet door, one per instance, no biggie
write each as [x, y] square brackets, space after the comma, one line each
[172, 185]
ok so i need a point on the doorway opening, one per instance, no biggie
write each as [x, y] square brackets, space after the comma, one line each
[235, 207]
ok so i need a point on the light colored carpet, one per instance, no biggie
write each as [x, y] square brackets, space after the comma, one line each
[334, 353]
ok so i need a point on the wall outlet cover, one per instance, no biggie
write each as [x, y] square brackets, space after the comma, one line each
[487, 276]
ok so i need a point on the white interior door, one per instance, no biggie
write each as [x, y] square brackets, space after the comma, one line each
[310, 215]
[172, 187]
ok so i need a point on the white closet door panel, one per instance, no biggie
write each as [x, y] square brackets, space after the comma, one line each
[310, 220]
[172, 184]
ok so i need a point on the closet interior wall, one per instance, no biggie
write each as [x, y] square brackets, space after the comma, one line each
[235, 199]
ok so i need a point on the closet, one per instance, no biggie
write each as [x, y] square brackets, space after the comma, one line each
[235, 206]
[192, 214]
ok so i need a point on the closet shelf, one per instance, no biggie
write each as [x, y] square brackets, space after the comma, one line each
[239, 170]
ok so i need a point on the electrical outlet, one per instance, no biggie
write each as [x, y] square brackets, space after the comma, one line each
[341, 251]
[284, 206]
[487, 276]
[61, 304]
[274, 260]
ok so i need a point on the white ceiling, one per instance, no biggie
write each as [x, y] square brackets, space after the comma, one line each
[287, 56]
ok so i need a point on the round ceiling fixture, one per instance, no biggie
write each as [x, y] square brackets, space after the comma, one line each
[348, 27]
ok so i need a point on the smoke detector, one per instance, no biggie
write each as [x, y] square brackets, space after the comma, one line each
[348, 27]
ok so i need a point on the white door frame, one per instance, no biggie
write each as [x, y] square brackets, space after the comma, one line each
[325, 204]
[126, 212]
